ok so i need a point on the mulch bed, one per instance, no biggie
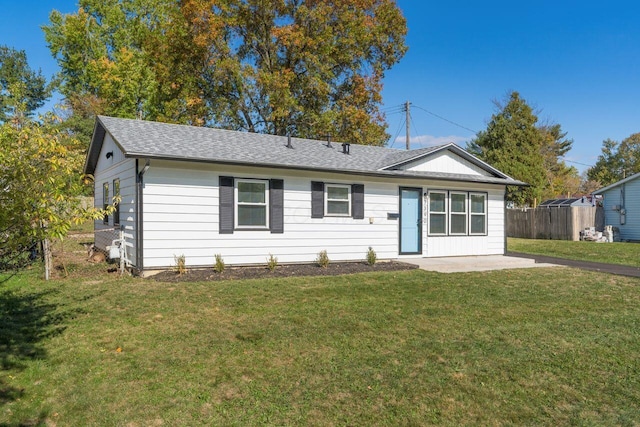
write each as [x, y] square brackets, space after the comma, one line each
[288, 270]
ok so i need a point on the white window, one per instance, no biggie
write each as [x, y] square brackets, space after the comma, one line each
[337, 200]
[457, 213]
[477, 213]
[252, 202]
[437, 212]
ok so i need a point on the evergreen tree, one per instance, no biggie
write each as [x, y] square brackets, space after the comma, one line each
[513, 144]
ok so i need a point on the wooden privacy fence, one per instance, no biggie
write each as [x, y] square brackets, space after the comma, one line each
[562, 223]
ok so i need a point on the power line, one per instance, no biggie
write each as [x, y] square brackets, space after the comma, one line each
[393, 107]
[576, 163]
[445, 119]
[393, 141]
[402, 109]
[413, 122]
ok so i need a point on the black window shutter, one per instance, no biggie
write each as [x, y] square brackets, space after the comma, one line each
[276, 205]
[357, 201]
[226, 204]
[317, 199]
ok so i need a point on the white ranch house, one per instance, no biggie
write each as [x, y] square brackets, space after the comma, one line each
[199, 192]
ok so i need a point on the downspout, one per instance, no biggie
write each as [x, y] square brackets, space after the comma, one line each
[505, 216]
[139, 215]
[623, 210]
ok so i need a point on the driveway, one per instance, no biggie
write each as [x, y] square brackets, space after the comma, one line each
[622, 270]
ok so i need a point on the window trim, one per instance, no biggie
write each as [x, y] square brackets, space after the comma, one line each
[105, 201]
[348, 200]
[237, 203]
[116, 193]
[465, 213]
[485, 213]
[444, 213]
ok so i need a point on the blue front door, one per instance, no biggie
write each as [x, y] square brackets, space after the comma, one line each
[410, 220]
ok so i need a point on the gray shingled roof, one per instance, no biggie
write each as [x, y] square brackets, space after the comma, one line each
[145, 139]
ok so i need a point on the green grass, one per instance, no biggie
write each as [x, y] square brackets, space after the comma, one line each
[611, 253]
[521, 347]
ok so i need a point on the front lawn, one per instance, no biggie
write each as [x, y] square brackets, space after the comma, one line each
[612, 253]
[534, 347]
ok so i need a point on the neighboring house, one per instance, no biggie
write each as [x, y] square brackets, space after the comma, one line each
[621, 202]
[198, 192]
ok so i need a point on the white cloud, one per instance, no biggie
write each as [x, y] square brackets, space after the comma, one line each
[420, 141]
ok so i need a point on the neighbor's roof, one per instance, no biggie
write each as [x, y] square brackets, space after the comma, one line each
[154, 140]
[615, 184]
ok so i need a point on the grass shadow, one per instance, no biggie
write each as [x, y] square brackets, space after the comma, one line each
[27, 320]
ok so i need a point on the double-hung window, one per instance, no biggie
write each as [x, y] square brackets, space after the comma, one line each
[105, 201]
[437, 212]
[252, 197]
[457, 213]
[477, 213]
[337, 200]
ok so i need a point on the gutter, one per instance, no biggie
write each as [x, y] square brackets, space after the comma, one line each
[378, 174]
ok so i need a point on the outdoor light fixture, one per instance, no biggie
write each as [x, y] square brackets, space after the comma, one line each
[109, 154]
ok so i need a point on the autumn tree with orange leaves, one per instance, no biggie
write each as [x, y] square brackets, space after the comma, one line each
[306, 68]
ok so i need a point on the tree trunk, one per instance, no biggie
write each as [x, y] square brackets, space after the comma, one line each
[46, 252]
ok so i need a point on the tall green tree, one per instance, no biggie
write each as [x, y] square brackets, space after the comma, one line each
[513, 144]
[119, 58]
[560, 179]
[307, 68]
[303, 67]
[22, 90]
[516, 143]
[616, 160]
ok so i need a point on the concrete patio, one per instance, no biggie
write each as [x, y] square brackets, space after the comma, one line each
[474, 263]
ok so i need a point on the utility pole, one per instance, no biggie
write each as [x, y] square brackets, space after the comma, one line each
[408, 122]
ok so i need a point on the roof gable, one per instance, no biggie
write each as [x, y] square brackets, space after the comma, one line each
[615, 184]
[146, 139]
[444, 161]
[448, 157]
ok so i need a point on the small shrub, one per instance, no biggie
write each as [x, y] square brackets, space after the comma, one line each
[272, 262]
[219, 266]
[323, 259]
[371, 256]
[181, 264]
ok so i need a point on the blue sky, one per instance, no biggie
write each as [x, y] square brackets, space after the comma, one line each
[577, 62]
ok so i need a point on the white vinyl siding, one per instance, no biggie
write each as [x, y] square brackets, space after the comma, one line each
[445, 162]
[181, 217]
[337, 200]
[116, 167]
